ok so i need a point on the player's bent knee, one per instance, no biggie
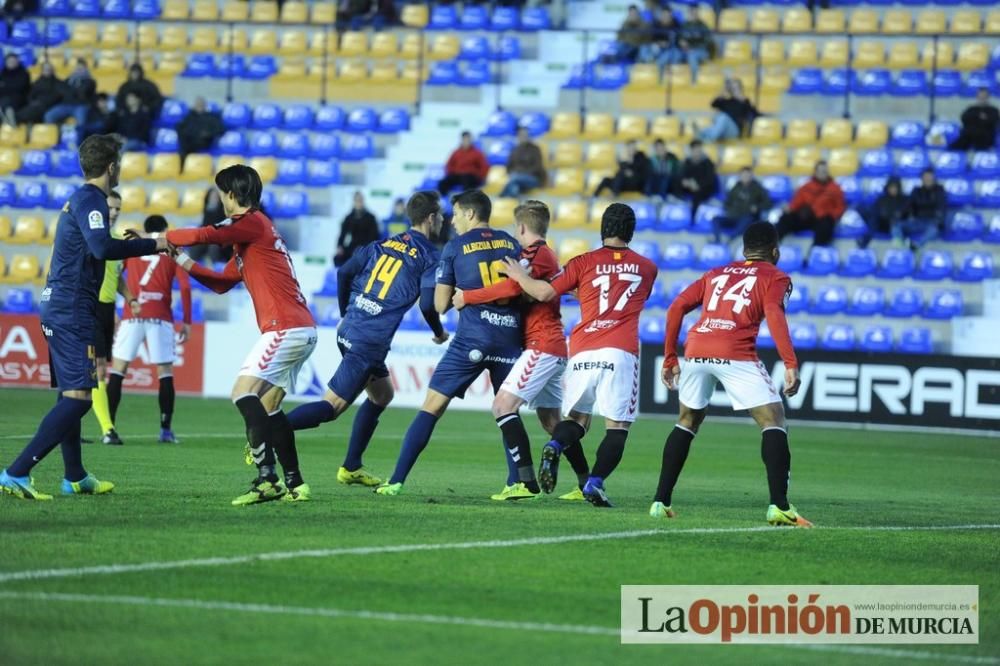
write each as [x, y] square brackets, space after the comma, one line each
[690, 419]
[549, 418]
[380, 391]
[771, 415]
[506, 403]
[617, 425]
[435, 403]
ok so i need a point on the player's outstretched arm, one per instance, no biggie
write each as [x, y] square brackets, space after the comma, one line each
[540, 290]
[220, 283]
[103, 246]
[226, 234]
[495, 292]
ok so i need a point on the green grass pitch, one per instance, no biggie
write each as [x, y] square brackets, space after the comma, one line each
[471, 605]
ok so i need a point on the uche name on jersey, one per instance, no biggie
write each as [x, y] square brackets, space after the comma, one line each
[614, 269]
[480, 246]
[740, 270]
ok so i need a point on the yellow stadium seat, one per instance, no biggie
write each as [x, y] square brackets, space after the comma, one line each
[570, 248]
[931, 21]
[804, 161]
[226, 161]
[972, 55]
[765, 20]
[413, 45]
[110, 62]
[43, 136]
[6, 229]
[564, 125]
[944, 55]
[710, 81]
[384, 45]
[602, 155]
[834, 54]
[732, 20]
[263, 42]
[197, 168]
[567, 154]
[323, 13]
[384, 72]
[175, 10]
[567, 182]
[707, 15]
[667, 128]
[802, 53]
[267, 167]
[903, 55]
[295, 12]
[632, 127]
[496, 178]
[135, 166]
[10, 158]
[415, 16]
[192, 202]
[322, 42]
[443, 47]
[84, 35]
[766, 131]
[204, 40]
[23, 269]
[165, 166]
[836, 132]
[772, 52]
[133, 198]
[736, 52]
[50, 230]
[174, 38]
[597, 211]
[14, 136]
[776, 80]
[4, 278]
[235, 10]
[863, 22]
[503, 212]
[164, 201]
[205, 10]
[147, 36]
[264, 11]
[870, 54]
[748, 78]
[871, 134]
[643, 76]
[28, 229]
[897, 22]
[830, 22]
[801, 132]
[598, 126]
[353, 44]
[992, 23]
[172, 63]
[352, 71]
[735, 158]
[966, 22]
[570, 215]
[238, 36]
[843, 162]
[114, 36]
[293, 43]
[797, 19]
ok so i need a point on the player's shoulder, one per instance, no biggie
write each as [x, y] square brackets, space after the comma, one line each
[89, 205]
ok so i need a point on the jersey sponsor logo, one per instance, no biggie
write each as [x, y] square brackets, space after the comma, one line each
[367, 305]
[712, 324]
[485, 246]
[600, 325]
[46, 294]
[711, 361]
[494, 319]
[594, 365]
[95, 219]
[344, 341]
[145, 296]
[614, 269]
[500, 359]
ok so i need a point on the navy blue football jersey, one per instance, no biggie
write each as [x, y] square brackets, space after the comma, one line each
[475, 260]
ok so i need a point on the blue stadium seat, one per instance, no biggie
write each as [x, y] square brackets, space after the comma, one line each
[86, 9]
[877, 339]
[324, 146]
[474, 48]
[431, 178]
[648, 249]
[199, 66]
[960, 192]
[897, 263]
[34, 163]
[263, 144]
[501, 123]
[964, 227]
[977, 79]
[322, 173]
[146, 10]
[59, 194]
[653, 330]
[867, 301]
[226, 66]
[233, 142]
[806, 81]
[872, 188]
[393, 121]
[703, 218]
[297, 117]
[803, 334]
[645, 215]
[822, 261]
[474, 74]
[506, 49]
[32, 195]
[944, 304]
[988, 195]
[876, 163]
[934, 265]
[911, 163]
[498, 152]
[906, 134]
[798, 301]
[51, 8]
[443, 74]
[268, 201]
[780, 188]
[535, 18]
[910, 83]
[791, 258]
[329, 118]
[505, 19]
[117, 9]
[55, 34]
[657, 296]
[949, 164]
[536, 122]
[443, 17]
[26, 54]
[197, 310]
[609, 77]
[995, 56]
[916, 341]
[291, 204]
[872, 83]
[173, 112]
[266, 116]
[8, 193]
[906, 302]
[330, 316]
[329, 286]
[944, 131]
[985, 165]
[947, 83]
[851, 225]
[713, 254]
[829, 300]
[859, 263]
[678, 256]
[65, 164]
[236, 115]
[412, 320]
[676, 287]
[992, 234]
[362, 120]
[293, 146]
[474, 17]
[839, 337]
[357, 148]
[674, 217]
[974, 267]
[580, 76]
[21, 301]
[260, 67]
[838, 81]
[291, 172]
[851, 187]
[764, 338]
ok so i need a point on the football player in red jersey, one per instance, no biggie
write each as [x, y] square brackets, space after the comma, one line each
[722, 346]
[536, 378]
[288, 331]
[151, 279]
[612, 283]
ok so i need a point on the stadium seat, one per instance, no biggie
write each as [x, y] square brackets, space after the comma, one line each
[839, 337]
[851, 187]
[28, 229]
[974, 267]
[165, 166]
[414, 16]
[34, 163]
[830, 22]
[678, 256]
[21, 301]
[910, 83]
[959, 191]
[772, 160]
[876, 339]
[802, 53]
[291, 204]
[803, 335]
[876, 163]
[703, 218]
[829, 300]
[906, 302]
[801, 132]
[964, 227]
[566, 154]
[601, 156]
[564, 125]
[766, 131]
[867, 301]
[897, 263]
[948, 83]
[712, 255]
[677, 217]
[822, 261]
[984, 165]
[835, 54]
[916, 341]
[597, 127]
[944, 304]
[732, 20]
[32, 195]
[791, 259]
[937, 54]
[23, 269]
[262, 144]
[736, 52]
[652, 330]
[843, 162]
[863, 22]
[988, 195]
[162, 201]
[630, 127]
[291, 172]
[934, 265]
[570, 215]
[965, 22]
[897, 22]
[501, 123]
[911, 163]
[571, 247]
[859, 263]
[192, 203]
[796, 19]
[804, 160]
[930, 22]
[798, 301]
[972, 56]
[59, 194]
[667, 128]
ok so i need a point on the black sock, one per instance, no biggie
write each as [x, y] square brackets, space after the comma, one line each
[519, 446]
[114, 393]
[568, 434]
[675, 452]
[166, 401]
[778, 461]
[609, 453]
[258, 434]
[283, 441]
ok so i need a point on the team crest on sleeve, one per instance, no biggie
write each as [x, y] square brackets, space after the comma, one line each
[96, 219]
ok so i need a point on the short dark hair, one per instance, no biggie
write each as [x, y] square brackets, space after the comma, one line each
[115, 194]
[746, 168]
[928, 170]
[760, 238]
[98, 152]
[155, 223]
[475, 200]
[533, 214]
[697, 143]
[618, 221]
[659, 142]
[421, 205]
[823, 162]
[466, 133]
[244, 183]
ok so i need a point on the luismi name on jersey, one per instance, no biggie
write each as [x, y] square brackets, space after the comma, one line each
[614, 269]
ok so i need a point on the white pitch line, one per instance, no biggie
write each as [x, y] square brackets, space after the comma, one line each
[108, 569]
[486, 623]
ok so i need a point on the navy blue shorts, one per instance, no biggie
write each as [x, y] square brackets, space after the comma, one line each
[72, 361]
[462, 364]
[356, 369]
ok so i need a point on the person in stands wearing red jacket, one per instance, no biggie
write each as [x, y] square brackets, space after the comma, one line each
[816, 207]
[466, 168]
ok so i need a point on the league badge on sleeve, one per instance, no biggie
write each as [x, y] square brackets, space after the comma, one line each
[96, 219]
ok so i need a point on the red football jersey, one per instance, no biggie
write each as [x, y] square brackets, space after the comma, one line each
[543, 328]
[151, 280]
[612, 285]
[261, 260]
[734, 299]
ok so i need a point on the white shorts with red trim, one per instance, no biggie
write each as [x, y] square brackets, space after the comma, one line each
[536, 378]
[603, 380]
[278, 356]
[747, 383]
[157, 334]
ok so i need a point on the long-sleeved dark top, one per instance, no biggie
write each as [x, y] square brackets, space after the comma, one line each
[357, 230]
[929, 203]
[147, 92]
[703, 173]
[740, 110]
[747, 200]
[15, 84]
[527, 158]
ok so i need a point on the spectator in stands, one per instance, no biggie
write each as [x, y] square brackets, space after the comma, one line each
[734, 114]
[356, 14]
[694, 42]
[466, 167]
[662, 47]
[357, 230]
[698, 180]
[745, 204]
[928, 208]
[632, 175]
[15, 84]
[134, 122]
[664, 169]
[137, 84]
[213, 213]
[199, 129]
[100, 119]
[979, 125]
[632, 36]
[525, 168]
[46, 92]
[816, 207]
[78, 96]
[890, 209]
[397, 222]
